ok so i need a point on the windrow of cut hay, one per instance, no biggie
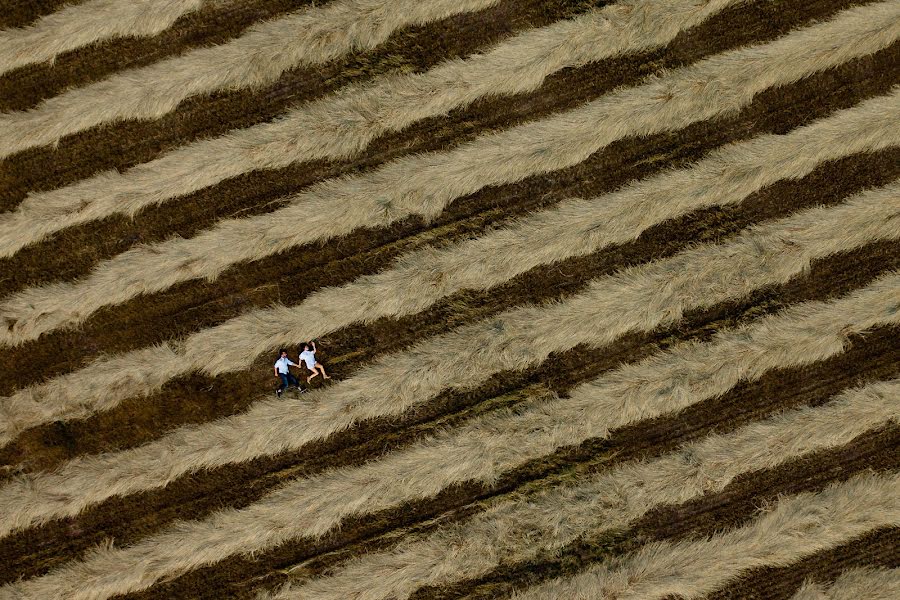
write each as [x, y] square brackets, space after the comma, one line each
[795, 527]
[637, 299]
[518, 530]
[573, 228]
[83, 24]
[855, 584]
[868, 356]
[419, 279]
[123, 144]
[288, 279]
[425, 184]
[727, 176]
[341, 125]
[307, 37]
[713, 87]
[107, 571]
[485, 448]
[592, 399]
[211, 22]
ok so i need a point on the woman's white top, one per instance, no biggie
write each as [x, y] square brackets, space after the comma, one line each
[309, 357]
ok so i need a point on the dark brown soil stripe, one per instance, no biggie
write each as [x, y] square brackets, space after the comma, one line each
[254, 192]
[706, 516]
[122, 145]
[735, 506]
[73, 252]
[127, 519]
[213, 24]
[779, 390]
[878, 549]
[196, 398]
[19, 13]
[289, 278]
[179, 402]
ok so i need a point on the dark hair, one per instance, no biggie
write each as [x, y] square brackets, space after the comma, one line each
[282, 351]
[304, 346]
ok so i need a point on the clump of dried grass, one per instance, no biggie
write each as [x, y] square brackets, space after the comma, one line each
[794, 527]
[418, 185]
[519, 530]
[636, 299]
[420, 278]
[82, 24]
[855, 584]
[306, 37]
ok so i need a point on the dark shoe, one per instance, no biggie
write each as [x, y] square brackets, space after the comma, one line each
[278, 393]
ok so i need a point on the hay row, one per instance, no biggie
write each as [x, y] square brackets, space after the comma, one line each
[419, 410]
[307, 37]
[342, 124]
[100, 386]
[847, 510]
[795, 527]
[86, 23]
[637, 299]
[522, 529]
[800, 336]
[726, 176]
[714, 86]
[420, 279]
[855, 584]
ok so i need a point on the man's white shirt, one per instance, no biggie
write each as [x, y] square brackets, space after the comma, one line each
[282, 364]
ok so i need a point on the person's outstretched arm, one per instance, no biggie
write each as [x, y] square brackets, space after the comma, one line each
[313, 344]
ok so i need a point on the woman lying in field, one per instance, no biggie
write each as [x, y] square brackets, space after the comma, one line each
[308, 356]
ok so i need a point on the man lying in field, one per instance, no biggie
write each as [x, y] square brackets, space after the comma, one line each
[283, 370]
[308, 356]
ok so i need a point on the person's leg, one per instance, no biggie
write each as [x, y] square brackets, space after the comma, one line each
[293, 381]
[314, 374]
[322, 369]
[284, 382]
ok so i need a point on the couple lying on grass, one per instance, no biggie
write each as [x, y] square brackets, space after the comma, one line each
[283, 364]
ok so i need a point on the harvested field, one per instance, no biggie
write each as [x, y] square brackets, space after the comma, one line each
[609, 293]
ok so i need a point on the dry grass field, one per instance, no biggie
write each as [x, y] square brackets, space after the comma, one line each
[609, 292]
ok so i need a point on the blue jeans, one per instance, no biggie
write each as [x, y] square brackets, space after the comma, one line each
[286, 380]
